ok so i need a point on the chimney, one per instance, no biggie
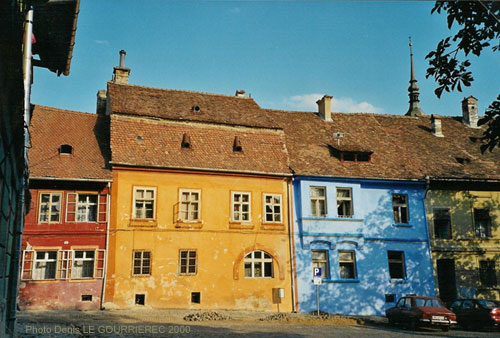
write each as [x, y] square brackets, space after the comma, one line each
[325, 107]
[469, 111]
[101, 102]
[436, 126]
[121, 73]
[240, 93]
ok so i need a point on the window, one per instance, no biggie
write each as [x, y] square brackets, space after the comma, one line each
[195, 297]
[487, 273]
[66, 149]
[344, 202]
[318, 201]
[482, 220]
[347, 264]
[400, 208]
[86, 208]
[272, 208]
[144, 203]
[189, 205]
[396, 264]
[258, 264]
[140, 299]
[442, 223]
[240, 207]
[320, 260]
[142, 263]
[50, 208]
[390, 297]
[45, 265]
[83, 264]
[86, 298]
[187, 262]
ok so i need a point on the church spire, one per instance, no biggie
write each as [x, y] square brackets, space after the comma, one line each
[413, 93]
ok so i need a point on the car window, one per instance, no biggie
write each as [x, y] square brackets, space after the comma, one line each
[401, 302]
[408, 303]
[489, 304]
[455, 305]
[428, 302]
[468, 304]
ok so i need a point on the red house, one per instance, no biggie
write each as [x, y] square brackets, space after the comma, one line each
[64, 240]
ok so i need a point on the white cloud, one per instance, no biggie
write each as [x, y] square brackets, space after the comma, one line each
[341, 104]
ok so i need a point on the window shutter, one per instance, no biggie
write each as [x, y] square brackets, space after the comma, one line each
[102, 216]
[27, 265]
[71, 207]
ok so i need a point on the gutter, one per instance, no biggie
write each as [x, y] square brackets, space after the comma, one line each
[290, 242]
[105, 267]
[72, 179]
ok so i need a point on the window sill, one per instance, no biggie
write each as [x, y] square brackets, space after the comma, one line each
[355, 280]
[141, 276]
[272, 226]
[402, 225]
[338, 219]
[143, 223]
[399, 281]
[188, 224]
[240, 225]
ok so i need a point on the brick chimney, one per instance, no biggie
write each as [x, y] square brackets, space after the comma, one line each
[436, 126]
[469, 111]
[101, 102]
[325, 107]
[121, 73]
[240, 93]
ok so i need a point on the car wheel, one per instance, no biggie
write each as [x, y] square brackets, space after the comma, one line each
[413, 325]
[445, 328]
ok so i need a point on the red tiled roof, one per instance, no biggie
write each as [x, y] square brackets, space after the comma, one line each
[403, 147]
[147, 142]
[181, 105]
[86, 133]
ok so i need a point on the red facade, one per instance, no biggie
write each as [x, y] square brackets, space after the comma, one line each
[64, 243]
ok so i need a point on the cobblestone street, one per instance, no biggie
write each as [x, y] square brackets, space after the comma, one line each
[170, 323]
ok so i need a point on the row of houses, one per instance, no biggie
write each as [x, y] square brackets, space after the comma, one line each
[179, 199]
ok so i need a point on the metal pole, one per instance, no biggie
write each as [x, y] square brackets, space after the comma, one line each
[317, 298]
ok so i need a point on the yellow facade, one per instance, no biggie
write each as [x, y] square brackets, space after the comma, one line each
[219, 243]
[470, 249]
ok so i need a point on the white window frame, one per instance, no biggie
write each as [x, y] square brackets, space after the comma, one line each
[82, 260]
[241, 204]
[186, 261]
[272, 205]
[399, 206]
[315, 202]
[348, 213]
[35, 274]
[250, 259]
[323, 263]
[190, 205]
[49, 211]
[141, 266]
[86, 205]
[144, 200]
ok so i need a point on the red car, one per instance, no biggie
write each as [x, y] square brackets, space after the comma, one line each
[415, 311]
[477, 313]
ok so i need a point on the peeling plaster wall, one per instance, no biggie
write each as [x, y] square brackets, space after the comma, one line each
[220, 244]
[370, 233]
[464, 247]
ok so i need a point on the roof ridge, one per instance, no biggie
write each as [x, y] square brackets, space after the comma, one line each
[184, 91]
[63, 110]
[362, 114]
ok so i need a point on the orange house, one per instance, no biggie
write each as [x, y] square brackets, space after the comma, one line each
[200, 207]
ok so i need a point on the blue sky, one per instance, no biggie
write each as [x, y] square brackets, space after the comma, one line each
[285, 54]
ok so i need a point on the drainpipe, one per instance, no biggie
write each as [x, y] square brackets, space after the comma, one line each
[290, 241]
[105, 267]
[21, 208]
[427, 233]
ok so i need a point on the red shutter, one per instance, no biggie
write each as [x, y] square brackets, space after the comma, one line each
[27, 264]
[102, 216]
[71, 207]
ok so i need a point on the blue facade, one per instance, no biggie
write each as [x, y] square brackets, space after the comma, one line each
[361, 245]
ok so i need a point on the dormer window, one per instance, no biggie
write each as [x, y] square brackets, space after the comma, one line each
[65, 149]
[186, 141]
[462, 160]
[237, 144]
[351, 156]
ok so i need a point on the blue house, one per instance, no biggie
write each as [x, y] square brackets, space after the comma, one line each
[358, 209]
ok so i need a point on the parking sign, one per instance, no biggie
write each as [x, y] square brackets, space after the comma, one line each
[317, 272]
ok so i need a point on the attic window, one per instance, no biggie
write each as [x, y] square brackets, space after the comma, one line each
[186, 141]
[352, 156]
[66, 149]
[474, 139]
[139, 138]
[195, 108]
[237, 144]
[463, 160]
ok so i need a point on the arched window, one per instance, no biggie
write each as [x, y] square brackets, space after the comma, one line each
[66, 149]
[258, 264]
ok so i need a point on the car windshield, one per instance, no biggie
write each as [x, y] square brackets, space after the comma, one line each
[489, 304]
[428, 302]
